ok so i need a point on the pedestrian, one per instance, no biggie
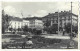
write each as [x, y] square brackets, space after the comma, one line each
[63, 31]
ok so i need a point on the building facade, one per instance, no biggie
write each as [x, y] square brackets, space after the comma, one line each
[35, 22]
[17, 23]
[25, 23]
[61, 19]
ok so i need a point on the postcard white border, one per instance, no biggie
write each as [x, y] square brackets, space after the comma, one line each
[40, 49]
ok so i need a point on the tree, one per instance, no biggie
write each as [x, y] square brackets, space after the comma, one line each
[75, 29]
[54, 28]
[34, 31]
[30, 30]
[47, 23]
[47, 29]
[25, 28]
[68, 28]
[38, 32]
[19, 29]
[5, 21]
[11, 29]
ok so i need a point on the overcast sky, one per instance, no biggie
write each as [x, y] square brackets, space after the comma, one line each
[39, 9]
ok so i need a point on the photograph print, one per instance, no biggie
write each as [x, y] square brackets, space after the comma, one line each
[40, 25]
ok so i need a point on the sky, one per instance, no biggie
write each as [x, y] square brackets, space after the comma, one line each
[39, 9]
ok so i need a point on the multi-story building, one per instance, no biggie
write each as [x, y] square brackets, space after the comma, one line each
[35, 22]
[60, 18]
[25, 22]
[16, 23]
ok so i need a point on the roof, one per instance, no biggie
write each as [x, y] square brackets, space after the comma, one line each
[16, 19]
[65, 13]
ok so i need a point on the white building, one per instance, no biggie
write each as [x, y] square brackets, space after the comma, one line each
[16, 23]
[38, 24]
[25, 22]
[35, 22]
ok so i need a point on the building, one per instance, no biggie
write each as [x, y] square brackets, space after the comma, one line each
[17, 23]
[60, 19]
[25, 22]
[35, 22]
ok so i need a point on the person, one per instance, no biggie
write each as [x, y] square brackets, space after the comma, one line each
[63, 31]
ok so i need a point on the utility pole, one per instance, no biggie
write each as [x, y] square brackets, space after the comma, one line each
[71, 21]
[58, 22]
